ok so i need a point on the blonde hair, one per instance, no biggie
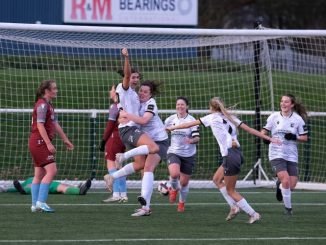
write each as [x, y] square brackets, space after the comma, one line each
[217, 105]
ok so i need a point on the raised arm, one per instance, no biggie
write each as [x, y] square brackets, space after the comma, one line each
[126, 69]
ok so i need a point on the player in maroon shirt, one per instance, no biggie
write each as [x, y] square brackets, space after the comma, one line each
[112, 144]
[44, 128]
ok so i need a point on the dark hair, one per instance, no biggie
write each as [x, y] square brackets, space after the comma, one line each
[133, 70]
[45, 84]
[185, 99]
[298, 106]
[153, 86]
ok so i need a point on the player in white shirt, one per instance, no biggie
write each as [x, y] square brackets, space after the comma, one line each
[153, 126]
[232, 158]
[129, 131]
[289, 126]
[181, 153]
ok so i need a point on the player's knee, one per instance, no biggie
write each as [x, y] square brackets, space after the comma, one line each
[286, 184]
[153, 148]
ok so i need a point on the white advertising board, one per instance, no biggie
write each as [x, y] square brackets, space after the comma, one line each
[132, 12]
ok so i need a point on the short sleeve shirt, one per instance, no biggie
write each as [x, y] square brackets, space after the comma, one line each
[218, 127]
[129, 102]
[155, 127]
[279, 125]
[43, 112]
[179, 136]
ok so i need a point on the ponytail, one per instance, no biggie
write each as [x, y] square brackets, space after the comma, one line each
[217, 105]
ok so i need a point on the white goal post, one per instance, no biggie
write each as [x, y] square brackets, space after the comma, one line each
[247, 68]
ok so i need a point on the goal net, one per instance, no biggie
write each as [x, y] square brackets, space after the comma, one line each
[249, 69]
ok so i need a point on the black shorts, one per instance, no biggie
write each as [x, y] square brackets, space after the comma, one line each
[232, 162]
[187, 164]
[280, 164]
[130, 136]
[163, 146]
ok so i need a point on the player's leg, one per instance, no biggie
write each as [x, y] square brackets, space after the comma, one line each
[58, 187]
[152, 160]
[19, 187]
[230, 182]
[39, 173]
[174, 166]
[280, 167]
[184, 190]
[130, 168]
[232, 164]
[186, 169]
[142, 143]
[115, 188]
[292, 170]
[50, 173]
[85, 187]
[218, 179]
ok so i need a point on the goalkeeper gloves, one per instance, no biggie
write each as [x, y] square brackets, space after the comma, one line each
[102, 145]
[290, 136]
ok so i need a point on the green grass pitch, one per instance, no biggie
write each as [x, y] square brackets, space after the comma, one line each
[85, 220]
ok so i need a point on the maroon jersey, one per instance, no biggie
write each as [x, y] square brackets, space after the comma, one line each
[111, 129]
[43, 112]
[111, 135]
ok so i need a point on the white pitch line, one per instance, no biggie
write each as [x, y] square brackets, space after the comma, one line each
[168, 239]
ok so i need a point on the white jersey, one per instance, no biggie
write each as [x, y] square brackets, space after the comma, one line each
[279, 125]
[178, 136]
[129, 102]
[219, 129]
[233, 129]
[155, 127]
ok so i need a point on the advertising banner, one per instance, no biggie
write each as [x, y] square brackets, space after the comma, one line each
[132, 12]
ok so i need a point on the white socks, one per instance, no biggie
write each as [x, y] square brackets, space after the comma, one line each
[140, 150]
[227, 198]
[183, 193]
[246, 207]
[126, 170]
[286, 193]
[174, 183]
[147, 188]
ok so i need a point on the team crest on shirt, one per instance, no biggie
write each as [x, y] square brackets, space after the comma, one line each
[278, 122]
[292, 125]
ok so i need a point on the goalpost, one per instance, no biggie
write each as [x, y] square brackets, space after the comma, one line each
[247, 68]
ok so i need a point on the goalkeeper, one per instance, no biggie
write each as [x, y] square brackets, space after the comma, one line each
[55, 187]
